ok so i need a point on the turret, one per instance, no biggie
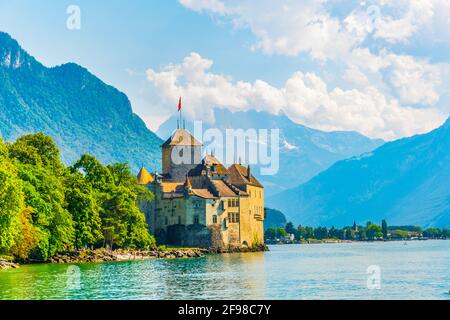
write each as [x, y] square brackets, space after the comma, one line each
[180, 153]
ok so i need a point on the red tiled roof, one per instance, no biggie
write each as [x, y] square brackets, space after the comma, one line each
[239, 176]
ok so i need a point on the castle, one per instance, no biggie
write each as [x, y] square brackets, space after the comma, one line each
[199, 202]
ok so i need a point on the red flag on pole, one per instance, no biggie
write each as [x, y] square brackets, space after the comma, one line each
[179, 105]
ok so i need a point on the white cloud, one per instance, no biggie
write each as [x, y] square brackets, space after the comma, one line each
[292, 27]
[288, 27]
[413, 81]
[414, 15]
[416, 81]
[305, 98]
[355, 76]
[388, 87]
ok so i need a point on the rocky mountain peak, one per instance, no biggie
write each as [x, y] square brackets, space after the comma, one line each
[12, 56]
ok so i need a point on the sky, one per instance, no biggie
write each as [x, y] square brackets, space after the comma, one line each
[379, 67]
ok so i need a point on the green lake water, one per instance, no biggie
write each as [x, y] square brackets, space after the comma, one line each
[418, 270]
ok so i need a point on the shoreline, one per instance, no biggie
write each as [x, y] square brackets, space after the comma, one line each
[335, 241]
[104, 255]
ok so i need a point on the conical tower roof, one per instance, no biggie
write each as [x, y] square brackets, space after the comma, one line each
[144, 177]
[181, 137]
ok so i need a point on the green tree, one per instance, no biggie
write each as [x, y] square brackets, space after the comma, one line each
[384, 229]
[44, 193]
[11, 202]
[333, 233]
[82, 205]
[41, 171]
[94, 172]
[117, 194]
[349, 233]
[321, 233]
[373, 232]
[290, 228]
[361, 234]
[307, 232]
[37, 150]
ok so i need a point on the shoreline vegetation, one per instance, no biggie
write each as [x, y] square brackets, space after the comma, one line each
[355, 233]
[47, 208]
[106, 255]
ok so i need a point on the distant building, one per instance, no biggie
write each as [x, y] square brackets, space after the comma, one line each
[200, 202]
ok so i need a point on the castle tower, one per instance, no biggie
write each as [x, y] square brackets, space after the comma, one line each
[144, 177]
[180, 153]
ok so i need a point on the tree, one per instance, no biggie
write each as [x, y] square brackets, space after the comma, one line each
[11, 202]
[307, 232]
[384, 229]
[274, 233]
[270, 233]
[290, 228]
[94, 172]
[361, 234]
[373, 232]
[349, 233]
[321, 233]
[37, 150]
[29, 237]
[82, 205]
[333, 233]
[44, 193]
[117, 194]
[41, 171]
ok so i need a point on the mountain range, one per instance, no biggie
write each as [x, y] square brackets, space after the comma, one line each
[303, 150]
[405, 182]
[79, 111]
[324, 178]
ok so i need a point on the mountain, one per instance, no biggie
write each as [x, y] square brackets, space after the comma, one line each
[80, 112]
[405, 182]
[274, 219]
[303, 150]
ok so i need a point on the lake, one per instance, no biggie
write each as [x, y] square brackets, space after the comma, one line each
[417, 270]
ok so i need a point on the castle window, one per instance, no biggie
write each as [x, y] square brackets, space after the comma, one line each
[196, 220]
[237, 218]
[214, 219]
[229, 217]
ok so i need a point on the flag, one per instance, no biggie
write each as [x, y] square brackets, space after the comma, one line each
[179, 105]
